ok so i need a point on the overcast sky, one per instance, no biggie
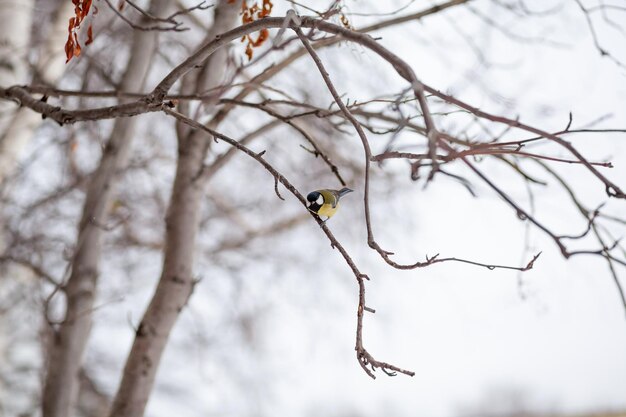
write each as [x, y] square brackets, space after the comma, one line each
[549, 340]
[554, 342]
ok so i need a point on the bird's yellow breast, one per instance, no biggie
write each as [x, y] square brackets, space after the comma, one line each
[327, 210]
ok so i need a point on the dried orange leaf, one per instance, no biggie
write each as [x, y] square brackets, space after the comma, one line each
[69, 48]
[81, 10]
[89, 35]
[248, 15]
[262, 38]
[77, 48]
[267, 8]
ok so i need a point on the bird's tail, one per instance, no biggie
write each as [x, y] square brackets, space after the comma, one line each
[344, 191]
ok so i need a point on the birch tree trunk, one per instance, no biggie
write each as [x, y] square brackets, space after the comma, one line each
[68, 344]
[15, 25]
[176, 282]
[20, 125]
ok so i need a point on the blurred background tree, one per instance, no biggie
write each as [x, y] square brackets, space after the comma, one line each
[177, 227]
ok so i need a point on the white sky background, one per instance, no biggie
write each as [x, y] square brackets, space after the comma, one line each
[555, 343]
[466, 331]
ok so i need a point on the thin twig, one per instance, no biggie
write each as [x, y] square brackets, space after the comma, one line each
[367, 362]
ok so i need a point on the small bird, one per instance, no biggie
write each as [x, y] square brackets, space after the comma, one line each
[325, 202]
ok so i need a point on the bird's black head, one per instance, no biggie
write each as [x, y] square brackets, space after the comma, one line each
[313, 196]
[315, 199]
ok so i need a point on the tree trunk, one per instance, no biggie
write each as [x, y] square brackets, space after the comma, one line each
[20, 126]
[68, 345]
[17, 125]
[15, 24]
[176, 282]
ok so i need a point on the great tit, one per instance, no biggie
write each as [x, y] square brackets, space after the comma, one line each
[325, 202]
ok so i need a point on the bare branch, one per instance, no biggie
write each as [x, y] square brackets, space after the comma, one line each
[171, 23]
[365, 359]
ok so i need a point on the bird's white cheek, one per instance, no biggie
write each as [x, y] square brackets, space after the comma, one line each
[320, 200]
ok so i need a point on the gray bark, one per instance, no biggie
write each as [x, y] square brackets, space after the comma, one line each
[21, 125]
[68, 344]
[16, 128]
[15, 24]
[176, 282]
